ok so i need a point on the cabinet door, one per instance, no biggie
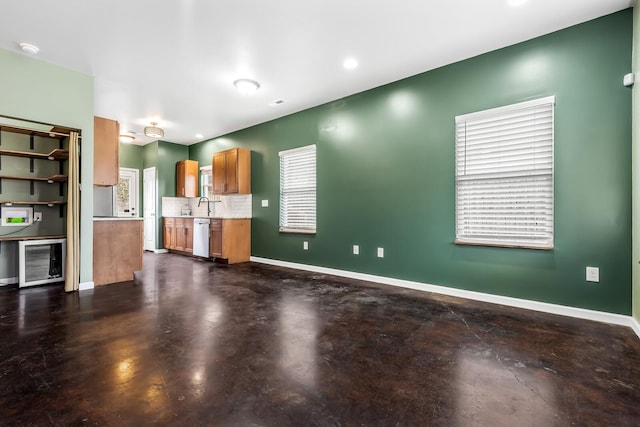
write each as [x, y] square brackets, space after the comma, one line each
[188, 233]
[169, 233]
[191, 179]
[180, 175]
[215, 240]
[218, 166]
[231, 171]
[181, 235]
[106, 151]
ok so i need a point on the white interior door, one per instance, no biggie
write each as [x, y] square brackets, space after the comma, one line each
[125, 196]
[149, 206]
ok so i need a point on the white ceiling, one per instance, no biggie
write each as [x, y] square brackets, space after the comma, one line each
[174, 61]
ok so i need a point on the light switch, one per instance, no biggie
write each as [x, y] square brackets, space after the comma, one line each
[356, 250]
[305, 246]
[265, 203]
[593, 274]
[380, 252]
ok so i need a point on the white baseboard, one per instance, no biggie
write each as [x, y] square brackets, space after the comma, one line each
[85, 286]
[161, 251]
[8, 281]
[635, 326]
[580, 313]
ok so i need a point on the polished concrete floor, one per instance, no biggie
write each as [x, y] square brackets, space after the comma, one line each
[190, 343]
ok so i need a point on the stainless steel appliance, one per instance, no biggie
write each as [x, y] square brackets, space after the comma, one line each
[201, 237]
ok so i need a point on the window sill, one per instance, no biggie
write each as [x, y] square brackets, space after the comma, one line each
[502, 245]
[296, 231]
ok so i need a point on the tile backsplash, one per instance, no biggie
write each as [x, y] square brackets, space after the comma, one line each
[232, 206]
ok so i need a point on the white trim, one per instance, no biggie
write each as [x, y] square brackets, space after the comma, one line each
[293, 150]
[506, 108]
[161, 251]
[635, 326]
[562, 310]
[8, 281]
[85, 286]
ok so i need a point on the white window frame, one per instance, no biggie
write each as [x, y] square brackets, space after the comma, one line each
[504, 176]
[298, 194]
[206, 188]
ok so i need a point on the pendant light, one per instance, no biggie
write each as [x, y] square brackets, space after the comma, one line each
[153, 131]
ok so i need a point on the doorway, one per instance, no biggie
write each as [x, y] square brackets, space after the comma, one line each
[125, 196]
[149, 207]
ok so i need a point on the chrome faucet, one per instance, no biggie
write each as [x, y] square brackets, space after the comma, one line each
[208, 205]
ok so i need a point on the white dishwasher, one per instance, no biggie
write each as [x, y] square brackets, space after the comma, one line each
[201, 237]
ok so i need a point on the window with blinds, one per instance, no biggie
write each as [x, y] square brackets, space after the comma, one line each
[298, 190]
[206, 182]
[504, 176]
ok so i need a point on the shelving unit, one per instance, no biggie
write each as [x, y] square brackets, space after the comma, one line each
[50, 180]
[37, 146]
[57, 154]
[49, 203]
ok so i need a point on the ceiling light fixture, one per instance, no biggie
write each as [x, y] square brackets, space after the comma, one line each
[246, 86]
[350, 64]
[199, 135]
[29, 48]
[153, 131]
[127, 139]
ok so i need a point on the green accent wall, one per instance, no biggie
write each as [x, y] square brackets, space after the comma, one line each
[385, 172]
[163, 156]
[636, 165]
[38, 91]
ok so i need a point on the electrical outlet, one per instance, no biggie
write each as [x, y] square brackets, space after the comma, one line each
[37, 216]
[265, 203]
[380, 252]
[356, 250]
[305, 246]
[593, 274]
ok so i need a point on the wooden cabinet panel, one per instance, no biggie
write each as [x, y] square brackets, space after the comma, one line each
[231, 240]
[215, 239]
[178, 234]
[187, 178]
[117, 250]
[169, 233]
[231, 171]
[106, 145]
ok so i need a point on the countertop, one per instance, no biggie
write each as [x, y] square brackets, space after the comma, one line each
[205, 217]
[117, 218]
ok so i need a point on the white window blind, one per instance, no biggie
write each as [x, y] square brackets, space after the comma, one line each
[206, 182]
[298, 190]
[504, 175]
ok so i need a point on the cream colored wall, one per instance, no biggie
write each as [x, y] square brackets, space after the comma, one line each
[35, 90]
[636, 165]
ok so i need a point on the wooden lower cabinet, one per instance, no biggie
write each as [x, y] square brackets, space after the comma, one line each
[230, 240]
[117, 250]
[178, 234]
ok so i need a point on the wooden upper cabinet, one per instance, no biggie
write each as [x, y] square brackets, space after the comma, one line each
[106, 134]
[231, 171]
[187, 178]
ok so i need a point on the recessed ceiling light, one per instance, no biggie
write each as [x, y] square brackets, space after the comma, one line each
[516, 3]
[350, 63]
[199, 135]
[29, 48]
[126, 139]
[246, 86]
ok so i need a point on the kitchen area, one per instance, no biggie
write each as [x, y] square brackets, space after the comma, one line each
[210, 217]
[204, 210]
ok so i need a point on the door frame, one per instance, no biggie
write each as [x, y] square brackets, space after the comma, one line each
[149, 210]
[136, 193]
